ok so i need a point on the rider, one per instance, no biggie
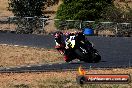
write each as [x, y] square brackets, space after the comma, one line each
[60, 41]
[61, 46]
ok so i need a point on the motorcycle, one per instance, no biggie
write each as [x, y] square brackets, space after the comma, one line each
[77, 47]
[82, 48]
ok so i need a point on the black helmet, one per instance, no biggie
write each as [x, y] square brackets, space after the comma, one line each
[58, 34]
[58, 37]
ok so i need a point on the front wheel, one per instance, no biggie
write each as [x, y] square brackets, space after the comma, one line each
[96, 57]
[93, 57]
[83, 57]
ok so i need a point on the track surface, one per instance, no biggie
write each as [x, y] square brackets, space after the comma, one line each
[115, 51]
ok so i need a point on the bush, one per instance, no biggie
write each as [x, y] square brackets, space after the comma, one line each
[81, 10]
[25, 8]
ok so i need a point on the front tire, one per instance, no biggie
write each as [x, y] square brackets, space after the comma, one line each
[93, 58]
[82, 57]
[96, 58]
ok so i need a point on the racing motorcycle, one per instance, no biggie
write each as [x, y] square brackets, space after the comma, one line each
[82, 49]
[78, 47]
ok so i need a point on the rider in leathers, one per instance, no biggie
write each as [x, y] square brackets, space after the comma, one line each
[64, 48]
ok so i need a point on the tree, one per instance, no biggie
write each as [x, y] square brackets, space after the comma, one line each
[29, 8]
[82, 9]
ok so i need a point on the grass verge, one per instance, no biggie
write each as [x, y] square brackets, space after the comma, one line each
[57, 79]
[12, 56]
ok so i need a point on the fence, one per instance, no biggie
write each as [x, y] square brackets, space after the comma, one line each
[100, 28]
[23, 25]
[39, 25]
[5, 24]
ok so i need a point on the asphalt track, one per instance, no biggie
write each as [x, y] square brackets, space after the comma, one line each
[115, 52]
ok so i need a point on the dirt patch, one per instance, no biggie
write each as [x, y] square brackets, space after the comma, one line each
[57, 79]
[106, 32]
[12, 56]
[4, 9]
[10, 27]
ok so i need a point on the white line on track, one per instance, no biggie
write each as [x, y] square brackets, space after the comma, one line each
[16, 45]
[28, 66]
[25, 46]
[7, 68]
[50, 64]
[18, 67]
[39, 65]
